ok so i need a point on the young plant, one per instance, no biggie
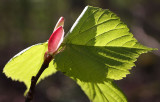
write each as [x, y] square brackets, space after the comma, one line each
[97, 50]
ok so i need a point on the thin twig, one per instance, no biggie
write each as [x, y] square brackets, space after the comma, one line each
[34, 79]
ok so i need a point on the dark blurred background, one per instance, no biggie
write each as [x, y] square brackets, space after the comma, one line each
[27, 22]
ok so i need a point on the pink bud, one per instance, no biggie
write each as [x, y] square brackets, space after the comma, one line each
[55, 40]
[59, 23]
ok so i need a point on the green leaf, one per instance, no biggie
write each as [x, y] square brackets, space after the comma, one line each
[99, 48]
[27, 63]
[102, 92]
[97, 63]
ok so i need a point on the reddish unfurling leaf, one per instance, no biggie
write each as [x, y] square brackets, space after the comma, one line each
[55, 40]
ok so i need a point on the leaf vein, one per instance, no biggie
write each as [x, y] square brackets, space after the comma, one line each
[101, 35]
[86, 20]
[100, 16]
[97, 25]
[117, 38]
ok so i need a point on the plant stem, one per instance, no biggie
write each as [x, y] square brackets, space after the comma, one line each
[34, 79]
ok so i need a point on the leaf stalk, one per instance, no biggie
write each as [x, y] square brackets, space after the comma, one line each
[34, 79]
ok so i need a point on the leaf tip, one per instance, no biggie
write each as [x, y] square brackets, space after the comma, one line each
[59, 23]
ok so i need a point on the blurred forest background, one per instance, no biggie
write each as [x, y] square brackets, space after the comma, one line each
[27, 22]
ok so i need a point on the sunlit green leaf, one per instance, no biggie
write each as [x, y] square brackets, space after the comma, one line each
[98, 49]
[102, 92]
[27, 63]
[97, 63]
